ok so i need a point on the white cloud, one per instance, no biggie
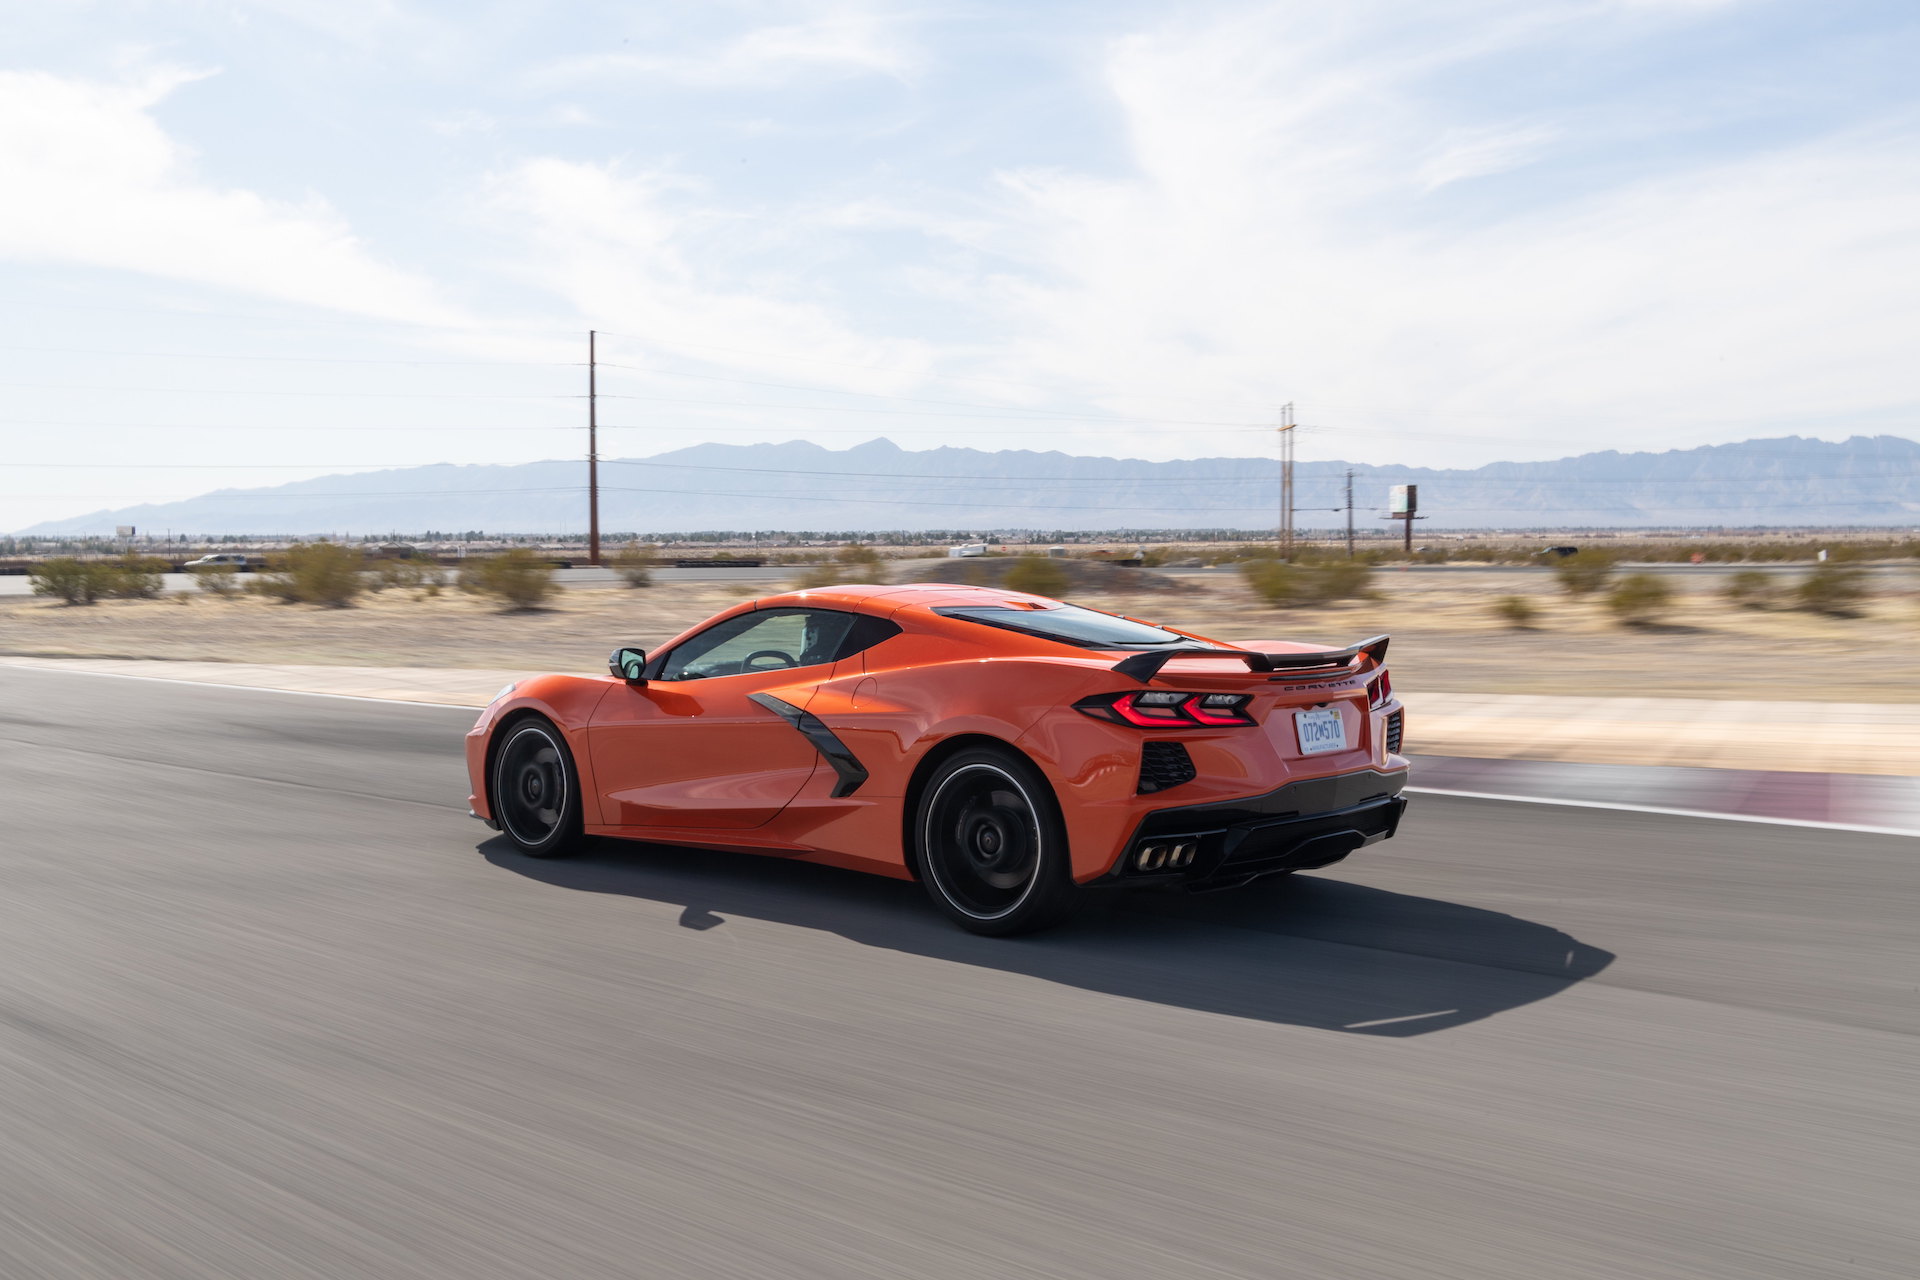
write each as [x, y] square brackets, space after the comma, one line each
[1277, 241]
[835, 40]
[94, 180]
[640, 255]
[1461, 154]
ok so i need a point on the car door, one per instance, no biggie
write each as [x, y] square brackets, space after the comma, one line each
[690, 748]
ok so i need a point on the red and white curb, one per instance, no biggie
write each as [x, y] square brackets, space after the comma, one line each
[1849, 801]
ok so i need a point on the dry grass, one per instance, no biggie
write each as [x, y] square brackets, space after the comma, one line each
[1446, 634]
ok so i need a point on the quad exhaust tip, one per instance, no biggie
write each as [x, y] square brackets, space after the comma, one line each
[1169, 854]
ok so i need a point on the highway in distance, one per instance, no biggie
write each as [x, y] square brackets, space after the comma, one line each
[272, 1005]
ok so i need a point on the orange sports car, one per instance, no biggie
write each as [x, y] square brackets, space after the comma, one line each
[1009, 751]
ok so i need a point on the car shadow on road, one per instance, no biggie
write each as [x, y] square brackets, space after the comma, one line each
[1308, 950]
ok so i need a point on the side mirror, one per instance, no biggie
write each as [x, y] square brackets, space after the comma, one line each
[627, 664]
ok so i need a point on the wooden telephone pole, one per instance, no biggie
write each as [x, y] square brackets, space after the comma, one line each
[1286, 481]
[593, 449]
[1349, 513]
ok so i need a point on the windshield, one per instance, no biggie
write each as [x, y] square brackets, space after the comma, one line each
[1070, 624]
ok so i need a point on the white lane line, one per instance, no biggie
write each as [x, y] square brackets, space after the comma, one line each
[1387, 1022]
[1672, 813]
[250, 688]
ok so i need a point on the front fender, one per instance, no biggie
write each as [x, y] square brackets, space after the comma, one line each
[567, 701]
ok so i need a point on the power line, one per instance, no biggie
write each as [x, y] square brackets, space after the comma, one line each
[235, 391]
[216, 355]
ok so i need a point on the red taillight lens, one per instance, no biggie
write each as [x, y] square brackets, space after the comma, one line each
[1149, 709]
[1219, 708]
[1380, 692]
[1161, 709]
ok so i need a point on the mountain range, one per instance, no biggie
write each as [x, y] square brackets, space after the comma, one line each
[1786, 481]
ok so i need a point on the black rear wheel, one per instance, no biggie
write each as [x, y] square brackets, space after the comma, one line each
[536, 794]
[992, 851]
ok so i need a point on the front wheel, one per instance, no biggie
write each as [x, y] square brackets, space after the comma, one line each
[991, 849]
[536, 794]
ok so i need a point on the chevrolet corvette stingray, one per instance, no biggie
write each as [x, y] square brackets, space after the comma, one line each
[1010, 752]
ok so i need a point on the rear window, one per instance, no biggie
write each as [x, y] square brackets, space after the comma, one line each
[1070, 624]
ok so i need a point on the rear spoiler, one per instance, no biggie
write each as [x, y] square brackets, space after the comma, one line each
[1145, 666]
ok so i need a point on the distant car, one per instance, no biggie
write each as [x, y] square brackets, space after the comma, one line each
[230, 560]
[1009, 751]
[1562, 552]
[967, 551]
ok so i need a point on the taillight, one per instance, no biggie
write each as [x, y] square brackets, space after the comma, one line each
[1160, 708]
[1380, 692]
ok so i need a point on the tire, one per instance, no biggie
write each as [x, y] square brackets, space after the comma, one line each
[531, 768]
[990, 847]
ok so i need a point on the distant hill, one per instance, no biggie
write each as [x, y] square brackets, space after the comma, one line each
[1867, 480]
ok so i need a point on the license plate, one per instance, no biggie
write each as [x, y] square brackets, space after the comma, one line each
[1320, 731]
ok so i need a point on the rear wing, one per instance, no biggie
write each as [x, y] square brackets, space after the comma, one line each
[1299, 666]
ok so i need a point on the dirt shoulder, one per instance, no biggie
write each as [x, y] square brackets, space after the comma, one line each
[1445, 635]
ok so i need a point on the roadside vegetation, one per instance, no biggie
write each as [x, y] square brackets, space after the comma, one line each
[317, 573]
[634, 564]
[1640, 599]
[519, 579]
[855, 562]
[420, 578]
[76, 581]
[1308, 582]
[1752, 589]
[219, 580]
[1837, 590]
[1585, 572]
[1517, 612]
[1038, 575]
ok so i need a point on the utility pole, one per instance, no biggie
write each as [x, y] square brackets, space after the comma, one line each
[1286, 481]
[593, 449]
[1349, 513]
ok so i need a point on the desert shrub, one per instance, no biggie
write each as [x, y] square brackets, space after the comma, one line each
[858, 555]
[518, 579]
[323, 573]
[634, 565]
[1751, 589]
[1517, 612]
[218, 579]
[1037, 575]
[131, 577]
[71, 580]
[1584, 572]
[1833, 589]
[1314, 582]
[1639, 598]
[821, 575]
[417, 576]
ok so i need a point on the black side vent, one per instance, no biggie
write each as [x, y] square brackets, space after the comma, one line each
[1393, 730]
[1163, 765]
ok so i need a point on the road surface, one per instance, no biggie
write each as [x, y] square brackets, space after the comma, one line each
[272, 1006]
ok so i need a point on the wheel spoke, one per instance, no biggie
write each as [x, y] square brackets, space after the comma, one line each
[983, 841]
[530, 787]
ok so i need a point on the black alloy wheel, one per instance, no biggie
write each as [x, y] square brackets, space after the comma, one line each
[992, 851]
[536, 797]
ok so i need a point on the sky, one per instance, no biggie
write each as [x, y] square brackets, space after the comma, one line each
[250, 241]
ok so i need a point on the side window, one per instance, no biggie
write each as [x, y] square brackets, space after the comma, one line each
[766, 640]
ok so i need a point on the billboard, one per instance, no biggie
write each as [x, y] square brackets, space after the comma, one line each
[123, 531]
[1406, 500]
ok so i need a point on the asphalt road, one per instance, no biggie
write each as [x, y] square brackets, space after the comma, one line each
[271, 1005]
